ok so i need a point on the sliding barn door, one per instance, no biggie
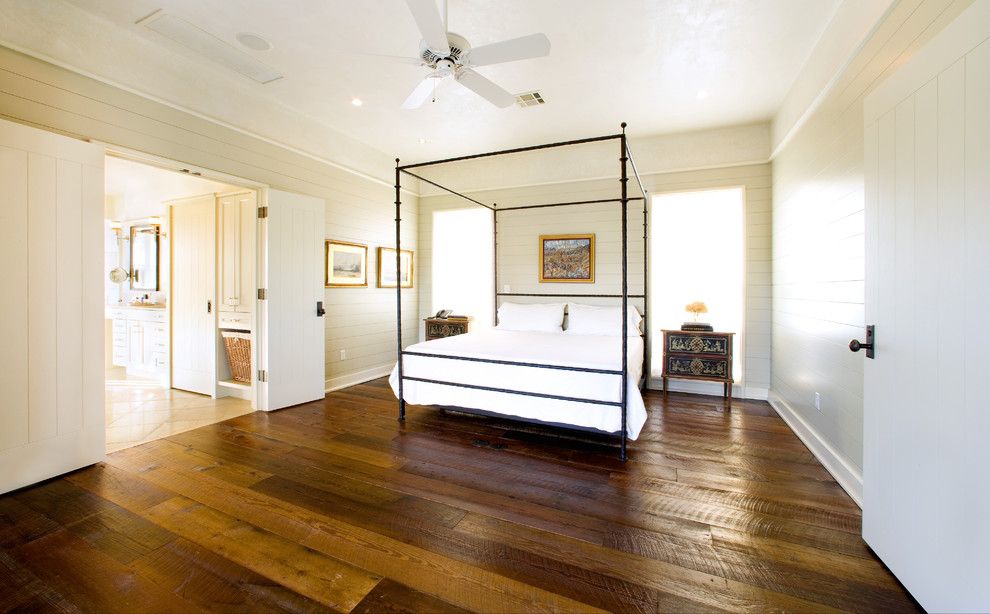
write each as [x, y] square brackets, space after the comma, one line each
[293, 331]
[926, 473]
[194, 302]
[51, 314]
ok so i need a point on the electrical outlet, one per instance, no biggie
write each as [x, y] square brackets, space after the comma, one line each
[818, 401]
[343, 354]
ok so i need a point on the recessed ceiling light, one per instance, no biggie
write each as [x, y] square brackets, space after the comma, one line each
[357, 102]
[702, 94]
[253, 41]
[422, 141]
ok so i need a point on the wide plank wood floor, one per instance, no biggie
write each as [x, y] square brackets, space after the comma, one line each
[335, 506]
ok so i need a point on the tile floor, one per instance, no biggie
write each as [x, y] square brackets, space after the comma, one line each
[139, 410]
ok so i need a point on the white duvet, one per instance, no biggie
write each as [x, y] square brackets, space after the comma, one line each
[591, 351]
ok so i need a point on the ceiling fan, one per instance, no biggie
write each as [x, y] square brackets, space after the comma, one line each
[450, 55]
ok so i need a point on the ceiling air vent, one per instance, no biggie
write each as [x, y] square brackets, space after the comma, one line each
[530, 99]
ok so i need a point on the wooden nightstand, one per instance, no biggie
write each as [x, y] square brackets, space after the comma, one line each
[698, 355]
[437, 328]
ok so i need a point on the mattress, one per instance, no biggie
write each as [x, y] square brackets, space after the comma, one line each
[587, 351]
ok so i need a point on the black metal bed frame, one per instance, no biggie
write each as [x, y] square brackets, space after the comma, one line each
[625, 161]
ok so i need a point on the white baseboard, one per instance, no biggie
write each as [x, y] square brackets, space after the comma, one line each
[849, 477]
[358, 377]
[711, 388]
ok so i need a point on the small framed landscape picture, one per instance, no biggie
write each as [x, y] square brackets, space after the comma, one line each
[346, 265]
[386, 268]
[567, 258]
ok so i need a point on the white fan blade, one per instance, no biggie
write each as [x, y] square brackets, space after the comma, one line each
[421, 93]
[522, 48]
[430, 24]
[485, 88]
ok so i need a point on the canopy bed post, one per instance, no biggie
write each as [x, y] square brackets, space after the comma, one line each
[646, 286]
[495, 259]
[646, 268]
[625, 292]
[398, 286]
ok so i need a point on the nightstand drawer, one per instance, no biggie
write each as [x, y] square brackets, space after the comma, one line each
[687, 366]
[696, 343]
[437, 328]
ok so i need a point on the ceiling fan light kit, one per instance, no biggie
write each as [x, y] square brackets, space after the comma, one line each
[447, 54]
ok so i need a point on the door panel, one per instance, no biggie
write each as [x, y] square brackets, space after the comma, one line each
[292, 346]
[51, 258]
[927, 151]
[194, 337]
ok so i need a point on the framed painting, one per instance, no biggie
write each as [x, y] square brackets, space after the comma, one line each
[386, 268]
[345, 264]
[567, 258]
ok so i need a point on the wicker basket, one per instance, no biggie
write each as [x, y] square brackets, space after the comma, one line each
[238, 347]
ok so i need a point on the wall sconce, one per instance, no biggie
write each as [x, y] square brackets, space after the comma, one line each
[116, 228]
[156, 220]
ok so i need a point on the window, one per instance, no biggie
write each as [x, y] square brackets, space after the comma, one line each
[462, 264]
[697, 253]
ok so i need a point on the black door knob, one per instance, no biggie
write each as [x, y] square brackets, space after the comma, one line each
[856, 345]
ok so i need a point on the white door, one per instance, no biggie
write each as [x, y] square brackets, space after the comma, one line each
[926, 473]
[194, 304]
[51, 315]
[292, 330]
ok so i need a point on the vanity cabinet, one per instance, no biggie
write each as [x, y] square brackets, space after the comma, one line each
[140, 340]
[235, 240]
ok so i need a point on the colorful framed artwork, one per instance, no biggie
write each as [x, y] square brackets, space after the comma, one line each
[567, 258]
[345, 264]
[386, 268]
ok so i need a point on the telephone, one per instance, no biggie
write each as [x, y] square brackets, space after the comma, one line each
[443, 313]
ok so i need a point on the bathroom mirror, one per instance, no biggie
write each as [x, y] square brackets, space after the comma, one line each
[144, 257]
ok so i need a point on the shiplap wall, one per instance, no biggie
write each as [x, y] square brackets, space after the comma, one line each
[359, 208]
[519, 232]
[818, 246]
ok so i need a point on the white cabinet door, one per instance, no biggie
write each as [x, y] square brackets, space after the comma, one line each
[194, 335]
[926, 490]
[52, 314]
[237, 240]
[135, 338]
[292, 342]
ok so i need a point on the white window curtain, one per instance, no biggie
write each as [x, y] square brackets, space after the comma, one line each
[697, 253]
[462, 264]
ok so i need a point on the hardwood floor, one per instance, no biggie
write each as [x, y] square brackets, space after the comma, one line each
[335, 506]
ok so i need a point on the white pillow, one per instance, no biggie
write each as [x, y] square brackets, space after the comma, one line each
[601, 320]
[541, 317]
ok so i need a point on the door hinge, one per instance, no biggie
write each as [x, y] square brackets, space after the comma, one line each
[262, 294]
[262, 212]
[262, 375]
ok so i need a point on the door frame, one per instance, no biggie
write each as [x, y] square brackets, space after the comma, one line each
[259, 400]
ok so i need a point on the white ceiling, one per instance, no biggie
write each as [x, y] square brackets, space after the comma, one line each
[639, 61]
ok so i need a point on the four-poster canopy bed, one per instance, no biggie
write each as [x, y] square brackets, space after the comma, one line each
[573, 388]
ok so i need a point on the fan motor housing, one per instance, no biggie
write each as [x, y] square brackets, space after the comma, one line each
[458, 47]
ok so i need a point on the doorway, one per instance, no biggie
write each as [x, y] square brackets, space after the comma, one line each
[179, 267]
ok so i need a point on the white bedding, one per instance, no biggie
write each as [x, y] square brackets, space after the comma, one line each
[592, 351]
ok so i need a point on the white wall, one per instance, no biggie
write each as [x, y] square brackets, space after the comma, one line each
[818, 245]
[359, 208]
[519, 231]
